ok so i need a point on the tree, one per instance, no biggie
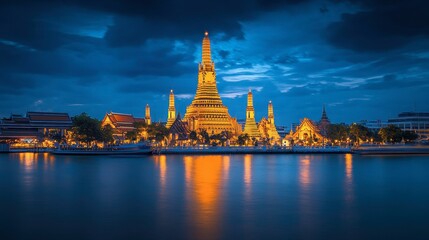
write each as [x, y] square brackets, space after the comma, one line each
[107, 134]
[86, 129]
[157, 132]
[338, 132]
[242, 139]
[131, 135]
[204, 136]
[359, 132]
[193, 136]
[391, 134]
[409, 136]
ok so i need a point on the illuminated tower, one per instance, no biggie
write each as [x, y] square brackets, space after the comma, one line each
[267, 128]
[171, 110]
[270, 112]
[250, 127]
[207, 110]
[147, 115]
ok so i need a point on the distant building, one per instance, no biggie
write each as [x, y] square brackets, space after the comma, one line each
[373, 125]
[35, 125]
[417, 122]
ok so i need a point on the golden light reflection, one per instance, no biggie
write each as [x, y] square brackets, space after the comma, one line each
[28, 160]
[163, 170]
[349, 191]
[226, 161]
[304, 171]
[204, 176]
[247, 169]
[349, 166]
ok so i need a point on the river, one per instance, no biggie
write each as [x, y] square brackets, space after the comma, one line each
[290, 196]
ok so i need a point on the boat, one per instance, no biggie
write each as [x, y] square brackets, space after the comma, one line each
[126, 149]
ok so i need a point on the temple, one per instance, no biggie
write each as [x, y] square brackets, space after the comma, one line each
[207, 110]
[171, 110]
[267, 127]
[307, 133]
[121, 123]
[250, 128]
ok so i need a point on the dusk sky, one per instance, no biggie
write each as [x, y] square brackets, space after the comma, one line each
[363, 59]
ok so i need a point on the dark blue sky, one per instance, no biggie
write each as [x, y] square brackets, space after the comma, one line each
[363, 59]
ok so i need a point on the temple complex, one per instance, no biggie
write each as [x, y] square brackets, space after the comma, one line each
[250, 128]
[207, 110]
[171, 110]
[147, 115]
[267, 127]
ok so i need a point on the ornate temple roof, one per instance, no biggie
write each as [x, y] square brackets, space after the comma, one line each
[179, 128]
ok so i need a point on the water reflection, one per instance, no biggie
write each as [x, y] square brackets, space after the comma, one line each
[28, 161]
[205, 178]
[304, 171]
[349, 177]
[349, 167]
[248, 176]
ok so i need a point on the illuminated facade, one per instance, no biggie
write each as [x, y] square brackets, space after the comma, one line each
[34, 125]
[171, 110]
[307, 131]
[267, 126]
[207, 110]
[250, 127]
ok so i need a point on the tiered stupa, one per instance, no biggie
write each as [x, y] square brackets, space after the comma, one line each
[171, 110]
[250, 128]
[207, 110]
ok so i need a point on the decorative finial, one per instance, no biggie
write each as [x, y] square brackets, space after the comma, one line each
[250, 90]
[206, 33]
[171, 91]
[270, 101]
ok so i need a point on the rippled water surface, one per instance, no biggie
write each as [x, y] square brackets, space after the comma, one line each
[214, 197]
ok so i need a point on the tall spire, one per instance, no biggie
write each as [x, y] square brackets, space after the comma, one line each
[147, 115]
[171, 110]
[206, 52]
[270, 112]
[324, 115]
[250, 127]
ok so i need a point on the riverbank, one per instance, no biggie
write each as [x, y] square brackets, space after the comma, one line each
[198, 150]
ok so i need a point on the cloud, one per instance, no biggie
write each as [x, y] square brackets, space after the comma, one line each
[380, 26]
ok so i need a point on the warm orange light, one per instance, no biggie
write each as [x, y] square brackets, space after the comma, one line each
[349, 166]
[204, 191]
